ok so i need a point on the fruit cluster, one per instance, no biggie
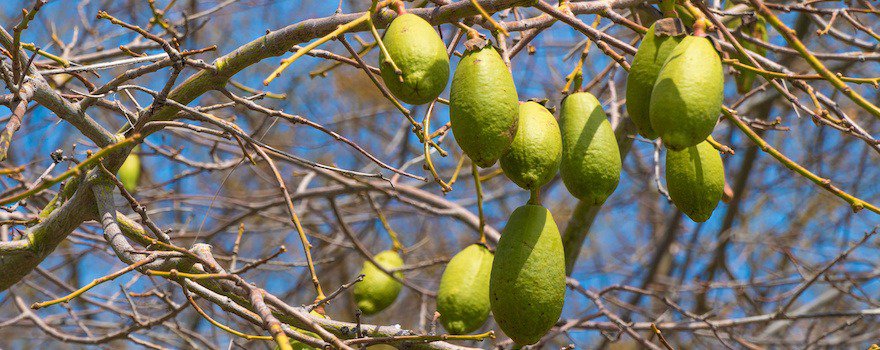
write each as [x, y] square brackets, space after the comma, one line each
[674, 92]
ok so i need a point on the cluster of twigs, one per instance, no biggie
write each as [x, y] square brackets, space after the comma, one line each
[204, 243]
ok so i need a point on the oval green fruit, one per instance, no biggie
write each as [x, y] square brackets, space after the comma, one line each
[483, 105]
[695, 179]
[646, 65]
[463, 296]
[377, 291]
[130, 171]
[421, 56]
[533, 158]
[591, 163]
[686, 100]
[527, 284]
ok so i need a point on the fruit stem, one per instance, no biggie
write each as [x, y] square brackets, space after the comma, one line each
[427, 141]
[488, 17]
[701, 23]
[575, 79]
[395, 241]
[668, 8]
[700, 27]
[373, 10]
[471, 32]
[479, 188]
[399, 8]
[535, 197]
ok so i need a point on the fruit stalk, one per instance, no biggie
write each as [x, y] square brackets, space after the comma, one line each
[479, 188]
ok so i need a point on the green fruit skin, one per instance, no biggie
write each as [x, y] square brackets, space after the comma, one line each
[130, 172]
[377, 291]
[420, 54]
[695, 178]
[483, 106]
[646, 65]
[686, 100]
[527, 284]
[463, 296]
[591, 162]
[533, 158]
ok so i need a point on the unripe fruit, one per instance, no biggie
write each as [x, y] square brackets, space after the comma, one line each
[591, 163]
[483, 105]
[527, 284]
[421, 56]
[377, 291]
[646, 65]
[533, 158]
[695, 179]
[130, 171]
[463, 296]
[686, 100]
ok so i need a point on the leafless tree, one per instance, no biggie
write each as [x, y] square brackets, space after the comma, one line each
[260, 203]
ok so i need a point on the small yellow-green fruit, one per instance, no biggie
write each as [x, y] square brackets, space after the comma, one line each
[591, 163]
[463, 296]
[297, 345]
[695, 178]
[483, 105]
[130, 171]
[527, 284]
[377, 291]
[533, 158]
[646, 65]
[686, 99]
[421, 56]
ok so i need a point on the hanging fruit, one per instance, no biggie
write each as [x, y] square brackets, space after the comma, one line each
[695, 178]
[130, 171]
[378, 290]
[652, 53]
[527, 283]
[591, 163]
[463, 296]
[533, 158]
[420, 54]
[483, 104]
[686, 99]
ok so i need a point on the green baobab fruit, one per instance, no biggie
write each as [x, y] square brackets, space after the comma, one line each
[483, 104]
[646, 65]
[533, 158]
[695, 179]
[687, 96]
[463, 296]
[527, 284]
[378, 290]
[130, 171]
[421, 56]
[591, 164]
